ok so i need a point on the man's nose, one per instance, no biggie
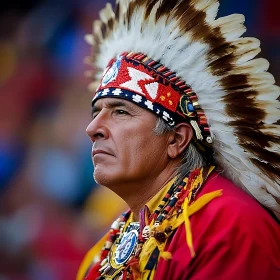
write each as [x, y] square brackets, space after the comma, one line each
[98, 128]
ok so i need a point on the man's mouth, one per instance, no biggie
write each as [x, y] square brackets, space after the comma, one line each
[100, 152]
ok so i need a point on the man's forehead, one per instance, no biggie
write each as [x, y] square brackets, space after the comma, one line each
[114, 102]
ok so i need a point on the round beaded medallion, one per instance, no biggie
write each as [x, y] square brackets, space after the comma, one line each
[121, 252]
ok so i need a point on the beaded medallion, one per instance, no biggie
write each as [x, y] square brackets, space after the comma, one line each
[121, 252]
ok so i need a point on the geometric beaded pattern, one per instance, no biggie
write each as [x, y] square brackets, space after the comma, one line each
[154, 87]
[168, 116]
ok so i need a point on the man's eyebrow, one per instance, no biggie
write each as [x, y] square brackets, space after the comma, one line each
[110, 105]
[116, 103]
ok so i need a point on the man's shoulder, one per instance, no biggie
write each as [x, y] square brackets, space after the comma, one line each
[233, 219]
[230, 227]
[235, 205]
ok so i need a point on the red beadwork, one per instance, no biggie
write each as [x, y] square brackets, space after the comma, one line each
[104, 254]
[188, 91]
[203, 122]
[140, 57]
[179, 202]
[168, 73]
[167, 209]
[173, 79]
[162, 68]
[179, 83]
[152, 63]
[193, 97]
[132, 55]
[200, 113]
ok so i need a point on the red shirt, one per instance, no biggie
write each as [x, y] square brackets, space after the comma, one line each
[233, 237]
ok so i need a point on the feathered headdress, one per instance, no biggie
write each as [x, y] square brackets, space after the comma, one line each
[175, 58]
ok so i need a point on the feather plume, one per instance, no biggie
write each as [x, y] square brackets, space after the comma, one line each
[234, 89]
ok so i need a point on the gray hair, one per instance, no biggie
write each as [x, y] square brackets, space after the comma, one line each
[191, 157]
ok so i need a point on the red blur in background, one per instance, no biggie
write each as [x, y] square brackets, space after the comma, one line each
[51, 210]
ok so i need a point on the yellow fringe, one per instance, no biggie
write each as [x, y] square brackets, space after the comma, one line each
[93, 252]
[152, 274]
[202, 201]
[166, 255]
[146, 252]
[147, 274]
[188, 228]
[190, 210]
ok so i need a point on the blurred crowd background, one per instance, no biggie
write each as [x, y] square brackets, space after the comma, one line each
[51, 210]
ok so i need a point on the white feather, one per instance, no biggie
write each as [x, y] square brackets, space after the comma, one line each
[189, 57]
[89, 39]
[231, 26]
[210, 7]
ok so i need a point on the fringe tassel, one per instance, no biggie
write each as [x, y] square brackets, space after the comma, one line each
[147, 251]
[190, 210]
[203, 200]
[188, 228]
[165, 255]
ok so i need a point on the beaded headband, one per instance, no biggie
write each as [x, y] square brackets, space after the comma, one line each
[151, 85]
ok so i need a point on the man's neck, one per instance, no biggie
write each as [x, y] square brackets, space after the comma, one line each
[137, 194]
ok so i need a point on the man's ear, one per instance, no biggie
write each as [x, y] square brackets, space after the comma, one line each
[179, 140]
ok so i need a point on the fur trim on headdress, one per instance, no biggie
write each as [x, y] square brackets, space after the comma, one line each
[234, 89]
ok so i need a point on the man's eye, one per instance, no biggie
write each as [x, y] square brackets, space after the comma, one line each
[121, 112]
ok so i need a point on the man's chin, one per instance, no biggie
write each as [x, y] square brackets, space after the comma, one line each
[102, 178]
[99, 179]
[108, 179]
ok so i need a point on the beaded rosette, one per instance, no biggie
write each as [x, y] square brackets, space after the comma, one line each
[122, 250]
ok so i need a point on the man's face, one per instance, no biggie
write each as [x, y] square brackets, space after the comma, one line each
[125, 148]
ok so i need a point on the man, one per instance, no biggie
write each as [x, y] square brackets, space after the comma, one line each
[182, 92]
